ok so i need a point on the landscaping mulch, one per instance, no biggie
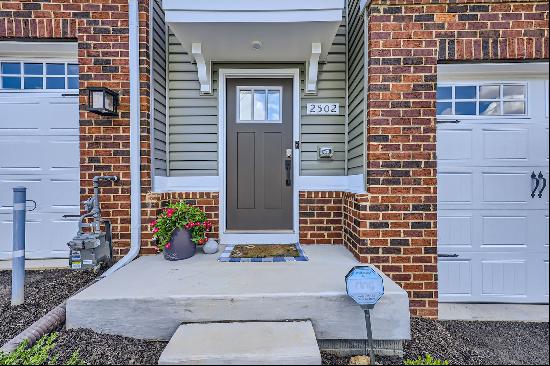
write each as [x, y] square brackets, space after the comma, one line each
[44, 290]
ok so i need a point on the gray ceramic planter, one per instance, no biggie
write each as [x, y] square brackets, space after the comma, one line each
[182, 246]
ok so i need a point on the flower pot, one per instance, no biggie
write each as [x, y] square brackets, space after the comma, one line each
[211, 247]
[181, 246]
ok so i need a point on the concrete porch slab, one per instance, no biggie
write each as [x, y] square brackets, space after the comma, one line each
[257, 343]
[151, 297]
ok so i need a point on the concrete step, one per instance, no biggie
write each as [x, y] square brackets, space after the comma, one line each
[243, 343]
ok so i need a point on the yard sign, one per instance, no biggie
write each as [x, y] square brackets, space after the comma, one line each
[366, 287]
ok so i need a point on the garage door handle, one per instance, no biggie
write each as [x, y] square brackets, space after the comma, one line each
[447, 255]
[440, 122]
[541, 176]
[536, 182]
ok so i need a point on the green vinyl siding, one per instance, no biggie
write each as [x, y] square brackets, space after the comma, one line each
[193, 118]
[356, 83]
[158, 50]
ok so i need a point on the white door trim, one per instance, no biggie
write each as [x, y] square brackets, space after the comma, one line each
[267, 237]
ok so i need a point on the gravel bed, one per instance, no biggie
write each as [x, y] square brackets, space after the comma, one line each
[101, 349]
[471, 343]
[461, 343]
[44, 290]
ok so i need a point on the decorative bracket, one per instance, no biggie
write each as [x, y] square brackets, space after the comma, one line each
[313, 68]
[204, 69]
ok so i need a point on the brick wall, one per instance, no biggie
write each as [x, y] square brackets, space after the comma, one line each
[407, 39]
[321, 218]
[101, 30]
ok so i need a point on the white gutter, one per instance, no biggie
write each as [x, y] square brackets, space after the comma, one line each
[135, 141]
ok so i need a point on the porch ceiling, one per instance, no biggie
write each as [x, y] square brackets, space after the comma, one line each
[255, 31]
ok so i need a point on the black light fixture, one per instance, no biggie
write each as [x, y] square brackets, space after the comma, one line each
[102, 101]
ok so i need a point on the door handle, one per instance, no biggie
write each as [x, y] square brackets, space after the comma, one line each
[541, 177]
[536, 182]
[288, 168]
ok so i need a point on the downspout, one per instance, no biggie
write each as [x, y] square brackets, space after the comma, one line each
[365, 13]
[135, 141]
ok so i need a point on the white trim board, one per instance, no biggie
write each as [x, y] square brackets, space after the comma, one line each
[491, 71]
[305, 183]
[187, 184]
[41, 50]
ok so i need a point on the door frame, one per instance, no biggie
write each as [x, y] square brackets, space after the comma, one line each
[268, 237]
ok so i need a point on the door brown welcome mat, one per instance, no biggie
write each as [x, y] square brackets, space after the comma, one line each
[263, 253]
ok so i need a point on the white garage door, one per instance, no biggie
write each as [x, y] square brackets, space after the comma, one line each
[39, 149]
[493, 234]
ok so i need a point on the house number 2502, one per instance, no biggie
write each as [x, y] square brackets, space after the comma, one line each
[323, 108]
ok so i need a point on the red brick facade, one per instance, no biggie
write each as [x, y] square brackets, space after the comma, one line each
[101, 30]
[321, 218]
[393, 225]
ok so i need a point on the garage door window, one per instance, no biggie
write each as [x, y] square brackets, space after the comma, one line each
[38, 76]
[482, 100]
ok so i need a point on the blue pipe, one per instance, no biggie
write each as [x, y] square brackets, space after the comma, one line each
[18, 254]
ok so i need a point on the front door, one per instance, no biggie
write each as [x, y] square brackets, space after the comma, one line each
[259, 155]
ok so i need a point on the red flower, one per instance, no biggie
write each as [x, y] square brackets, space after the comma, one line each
[170, 212]
[168, 246]
[153, 223]
[155, 230]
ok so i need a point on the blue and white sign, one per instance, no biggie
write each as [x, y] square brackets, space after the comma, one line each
[364, 285]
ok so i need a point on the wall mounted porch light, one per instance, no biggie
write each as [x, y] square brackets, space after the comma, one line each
[102, 101]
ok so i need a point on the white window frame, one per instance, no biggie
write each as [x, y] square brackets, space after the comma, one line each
[23, 61]
[478, 84]
[267, 89]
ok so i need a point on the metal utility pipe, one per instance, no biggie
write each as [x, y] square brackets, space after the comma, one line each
[18, 254]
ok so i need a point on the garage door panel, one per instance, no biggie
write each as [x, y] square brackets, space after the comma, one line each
[494, 277]
[503, 188]
[455, 188]
[490, 143]
[456, 231]
[504, 278]
[505, 231]
[63, 152]
[515, 141]
[46, 235]
[36, 114]
[455, 276]
[455, 145]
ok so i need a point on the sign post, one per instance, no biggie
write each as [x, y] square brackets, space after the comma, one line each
[366, 287]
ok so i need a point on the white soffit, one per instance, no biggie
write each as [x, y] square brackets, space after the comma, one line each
[255, 31]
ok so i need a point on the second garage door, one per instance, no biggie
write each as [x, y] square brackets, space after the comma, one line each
[493, 203]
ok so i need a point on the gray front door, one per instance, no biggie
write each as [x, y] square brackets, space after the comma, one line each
[259, 155]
